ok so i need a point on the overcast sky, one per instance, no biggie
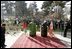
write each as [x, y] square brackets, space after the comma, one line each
[39, 4]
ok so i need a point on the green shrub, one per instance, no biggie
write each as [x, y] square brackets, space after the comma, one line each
[32, 28]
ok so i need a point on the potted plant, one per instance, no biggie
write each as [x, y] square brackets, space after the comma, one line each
[32, 28]
[44, 30]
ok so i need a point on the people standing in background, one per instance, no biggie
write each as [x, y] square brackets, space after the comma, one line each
[51, 29]
[61, 25]
[68, 25]
[51, 33]
[17, 20]
[24, 26]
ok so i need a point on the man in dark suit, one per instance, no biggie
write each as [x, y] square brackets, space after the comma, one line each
[2, 33]
[68, 25]
[61, 25]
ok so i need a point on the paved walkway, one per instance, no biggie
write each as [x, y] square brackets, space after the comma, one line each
[65, 40]
[10, 39]
[20, 40]
[62, 34]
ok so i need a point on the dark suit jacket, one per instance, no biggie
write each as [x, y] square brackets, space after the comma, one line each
[2, 33]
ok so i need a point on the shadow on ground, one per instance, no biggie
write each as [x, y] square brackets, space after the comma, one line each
[48, 42]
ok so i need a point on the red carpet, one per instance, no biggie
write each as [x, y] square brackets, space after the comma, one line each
[37, 42]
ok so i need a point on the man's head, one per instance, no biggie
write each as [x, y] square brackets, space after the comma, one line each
[3, 25]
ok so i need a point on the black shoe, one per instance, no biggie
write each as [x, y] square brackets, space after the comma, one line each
[4, 46]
